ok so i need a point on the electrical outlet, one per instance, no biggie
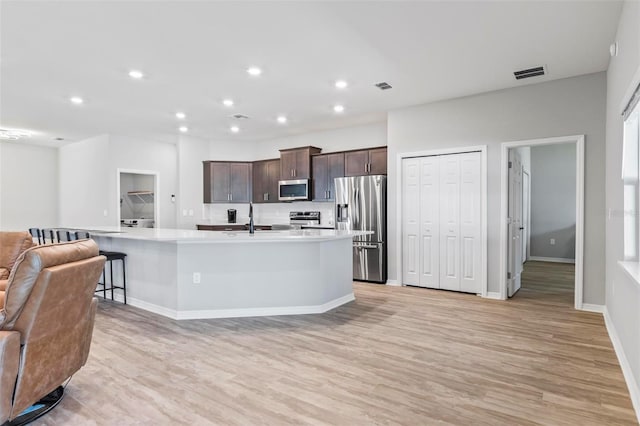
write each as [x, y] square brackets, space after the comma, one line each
[196, 277]
[105, 213]
[190, 212]
[552, 241]
[184, 212]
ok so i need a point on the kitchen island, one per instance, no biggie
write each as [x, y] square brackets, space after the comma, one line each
[185, 274]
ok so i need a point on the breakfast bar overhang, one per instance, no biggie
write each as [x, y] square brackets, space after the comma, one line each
[184, 274]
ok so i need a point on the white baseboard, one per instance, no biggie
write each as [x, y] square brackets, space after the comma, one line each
[589, 307]
[551, 259]
[394, 283]
[493, 295]
[237, 313]
[634, 390]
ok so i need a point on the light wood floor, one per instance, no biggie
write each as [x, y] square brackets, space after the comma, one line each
[396, 355]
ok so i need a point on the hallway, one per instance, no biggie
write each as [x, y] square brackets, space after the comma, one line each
[547, 283]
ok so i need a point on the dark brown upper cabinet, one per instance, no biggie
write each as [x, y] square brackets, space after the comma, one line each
[227, 182]
[325, 168]
[266, 174]
[295, 163]
[365, 162]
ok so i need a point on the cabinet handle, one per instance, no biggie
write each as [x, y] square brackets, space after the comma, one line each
[365, 167]
[231, 197]
[328, 194]
[265, 196]
[294, 172]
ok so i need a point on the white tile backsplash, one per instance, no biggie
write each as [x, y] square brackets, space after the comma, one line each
[268, 214]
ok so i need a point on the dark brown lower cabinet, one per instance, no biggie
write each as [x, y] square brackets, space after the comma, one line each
[232, 227]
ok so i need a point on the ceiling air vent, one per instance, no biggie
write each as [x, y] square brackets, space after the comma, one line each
[383, 85]
[240, 116]
[530, 72]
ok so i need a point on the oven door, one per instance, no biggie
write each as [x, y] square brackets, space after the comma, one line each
[289, 190]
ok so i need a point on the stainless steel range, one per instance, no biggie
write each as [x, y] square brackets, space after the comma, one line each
[300, 219]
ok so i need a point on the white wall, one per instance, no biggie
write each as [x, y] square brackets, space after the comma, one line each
[623, 293]
[553, 200]
[557, 108]
[83, 196]
[191, 153]
[28, 186]
[127, 154]
[364, 136]
[88, 178]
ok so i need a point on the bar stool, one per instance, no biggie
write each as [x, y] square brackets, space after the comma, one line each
[36, 233]
[111, 257]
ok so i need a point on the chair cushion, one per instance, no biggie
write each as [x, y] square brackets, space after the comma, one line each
[28, 267]
[12, 244]
[3, 285]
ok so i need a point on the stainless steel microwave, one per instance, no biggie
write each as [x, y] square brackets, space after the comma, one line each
[290, 190]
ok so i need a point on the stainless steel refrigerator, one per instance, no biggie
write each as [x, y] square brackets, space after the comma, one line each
[361, 205]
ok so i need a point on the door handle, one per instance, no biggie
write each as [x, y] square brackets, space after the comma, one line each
[521, 228]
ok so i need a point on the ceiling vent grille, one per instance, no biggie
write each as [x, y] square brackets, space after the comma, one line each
[530, 72]
[240, 116]
[383, 85]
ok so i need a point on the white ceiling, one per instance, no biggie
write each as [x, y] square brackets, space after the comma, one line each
[195, 54]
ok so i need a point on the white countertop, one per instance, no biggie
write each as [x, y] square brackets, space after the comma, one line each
[193, 236]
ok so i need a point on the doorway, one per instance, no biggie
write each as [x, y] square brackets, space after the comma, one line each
[542, 211]
[137, 198]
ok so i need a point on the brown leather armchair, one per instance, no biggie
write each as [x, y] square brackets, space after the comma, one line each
[12, 244]
[46, 322]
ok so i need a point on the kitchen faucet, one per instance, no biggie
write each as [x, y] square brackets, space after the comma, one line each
[251, 227]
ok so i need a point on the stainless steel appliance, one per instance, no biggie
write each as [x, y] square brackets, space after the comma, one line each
[137, 223]
[300, 219]
[291, 190]
[361, 205]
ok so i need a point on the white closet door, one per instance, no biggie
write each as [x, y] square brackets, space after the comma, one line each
[429, 222]
[411, 221]
[470, 223]
[450, 222]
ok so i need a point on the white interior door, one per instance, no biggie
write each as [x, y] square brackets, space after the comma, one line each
[470, 223]
[429, 222]
[450, 222]
[526, 209]
[515, 222]
[411, 221]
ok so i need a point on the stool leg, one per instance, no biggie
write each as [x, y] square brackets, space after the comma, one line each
[124, 281]
[111, 263]
[104, 283]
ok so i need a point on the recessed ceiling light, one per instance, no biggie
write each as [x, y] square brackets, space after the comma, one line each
[181, 115]
[136, 74]
[341, 84]
[228, 102]
[254, 71]
[235, 129]
[183, 129]
[15, 134]
[281, 119]
[338, 108]
[76, 100]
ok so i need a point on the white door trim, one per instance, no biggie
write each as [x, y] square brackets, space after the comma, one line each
[504, 167]
[156, 191]
[483, 173]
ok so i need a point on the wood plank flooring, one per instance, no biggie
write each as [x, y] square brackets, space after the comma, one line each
[396, 355]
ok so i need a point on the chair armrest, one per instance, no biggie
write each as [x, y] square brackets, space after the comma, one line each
[9, 363]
